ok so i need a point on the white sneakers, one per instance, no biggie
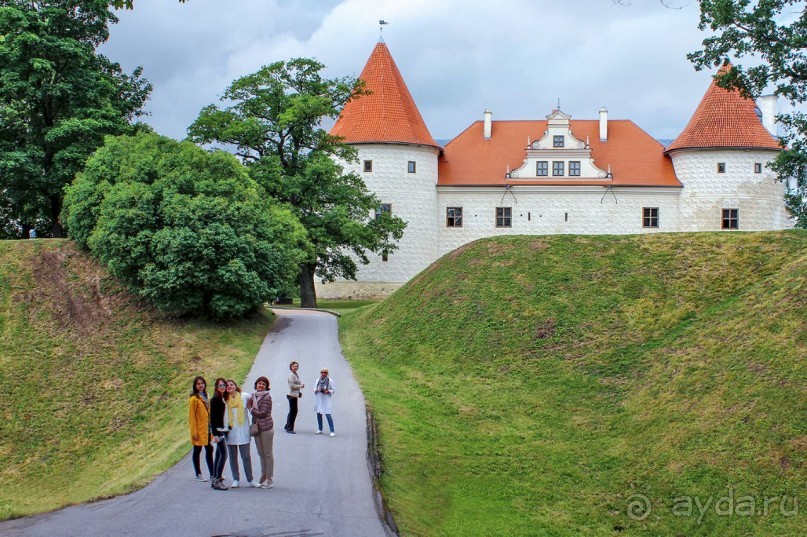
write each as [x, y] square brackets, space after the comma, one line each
[267, 484]
[318, 432]
[234, 484]
[254, 484]
[201, 478]
[333, 434]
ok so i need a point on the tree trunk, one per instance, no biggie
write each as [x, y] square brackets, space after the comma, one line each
[55, 211]
[308, 295]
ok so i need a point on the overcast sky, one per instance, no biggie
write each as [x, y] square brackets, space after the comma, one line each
[516, 57]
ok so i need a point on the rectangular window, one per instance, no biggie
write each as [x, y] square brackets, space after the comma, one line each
[410, 166]
[453, 216]
[557, 168]
[731, 219]
[368, 165]
[557, 140]
[649, 216]
[757, 167]
[384, 208]
[504, 216]
[574, 168]
[721, 167]
[542, 168]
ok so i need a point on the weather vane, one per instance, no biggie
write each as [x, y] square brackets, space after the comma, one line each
[381, 24]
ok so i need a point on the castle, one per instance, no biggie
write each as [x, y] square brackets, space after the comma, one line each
[552, 176]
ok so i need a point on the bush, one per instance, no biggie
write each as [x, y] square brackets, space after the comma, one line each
[186, 228]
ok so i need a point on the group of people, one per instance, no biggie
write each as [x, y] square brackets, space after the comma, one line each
[222, 424]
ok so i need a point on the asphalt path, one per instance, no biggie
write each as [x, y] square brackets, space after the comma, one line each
[322, 484]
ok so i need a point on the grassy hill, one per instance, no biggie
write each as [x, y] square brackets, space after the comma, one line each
[95, 383]
[570, 385]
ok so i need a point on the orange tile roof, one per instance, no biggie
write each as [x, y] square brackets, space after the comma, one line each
[634, 156]
[388, 114]
[724, 119]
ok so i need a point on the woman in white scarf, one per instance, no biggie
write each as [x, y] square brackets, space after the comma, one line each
[238, 439]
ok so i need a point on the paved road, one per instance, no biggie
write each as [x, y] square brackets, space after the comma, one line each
[322, 484]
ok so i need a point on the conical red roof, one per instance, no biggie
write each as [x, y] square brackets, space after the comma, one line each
[724, 119]
[388, 114]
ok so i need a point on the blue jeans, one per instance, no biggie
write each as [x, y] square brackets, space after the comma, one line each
[319, 421]
[221, 458]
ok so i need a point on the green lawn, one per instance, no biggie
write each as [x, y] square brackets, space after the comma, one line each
[95, 383]
[543, 385]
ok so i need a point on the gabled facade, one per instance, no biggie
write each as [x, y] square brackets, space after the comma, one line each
[551, 176]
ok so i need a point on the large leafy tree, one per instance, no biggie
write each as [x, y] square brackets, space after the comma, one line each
[185, 228]
[774, 33]
[58, 99]
[273, 122]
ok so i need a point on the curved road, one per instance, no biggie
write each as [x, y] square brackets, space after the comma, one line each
[322, 484]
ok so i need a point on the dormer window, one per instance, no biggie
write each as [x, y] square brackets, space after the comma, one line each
[557, 140]
[574, 168]
[557, 168]
[542, 168]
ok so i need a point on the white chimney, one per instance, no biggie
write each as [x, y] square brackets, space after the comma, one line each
[769, 106]
[603, 124]
[488, 123]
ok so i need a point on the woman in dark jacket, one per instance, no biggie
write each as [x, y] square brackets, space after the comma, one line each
[219, 424]
[260, 405]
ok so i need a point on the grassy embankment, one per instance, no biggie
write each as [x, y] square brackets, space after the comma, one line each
[95, 383]
[538, 385]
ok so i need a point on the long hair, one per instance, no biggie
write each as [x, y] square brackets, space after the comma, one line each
[193, 386]
[237, 387]
[215, 389]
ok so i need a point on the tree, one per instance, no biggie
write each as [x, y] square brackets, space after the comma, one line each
[274, 126]
[183, 227]
[58, 99]
[774, 31]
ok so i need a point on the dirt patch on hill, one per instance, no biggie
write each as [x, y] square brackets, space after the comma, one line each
[73, 294]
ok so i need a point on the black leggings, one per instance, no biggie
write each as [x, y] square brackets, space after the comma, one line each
[290, 419]
[221, 458]
[197, 451]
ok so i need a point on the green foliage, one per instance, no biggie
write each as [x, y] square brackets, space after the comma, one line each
[274, 125]
[534, 385]
[187, 229]
[58, 99]
[775, 32]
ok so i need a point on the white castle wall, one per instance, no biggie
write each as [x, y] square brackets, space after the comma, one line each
[413, 199]
[758, 196]
[550, 210]
[544, 210]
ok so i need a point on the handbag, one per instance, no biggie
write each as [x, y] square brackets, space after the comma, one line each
[253, 430]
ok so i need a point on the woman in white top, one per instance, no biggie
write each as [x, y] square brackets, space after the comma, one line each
[322, 405]
[238, 439]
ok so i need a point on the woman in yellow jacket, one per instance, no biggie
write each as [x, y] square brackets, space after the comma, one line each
[199, 419]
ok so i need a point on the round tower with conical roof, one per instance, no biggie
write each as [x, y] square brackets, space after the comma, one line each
[397, 159]
[721, 158]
